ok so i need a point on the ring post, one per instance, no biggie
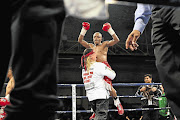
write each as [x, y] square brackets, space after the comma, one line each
[74, 102]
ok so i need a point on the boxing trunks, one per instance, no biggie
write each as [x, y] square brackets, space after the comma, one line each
[108, 80]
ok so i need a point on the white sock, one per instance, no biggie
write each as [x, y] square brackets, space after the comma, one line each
[7, 97]
[116, 102]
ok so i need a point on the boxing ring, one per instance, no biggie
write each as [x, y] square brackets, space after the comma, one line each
[74, 97]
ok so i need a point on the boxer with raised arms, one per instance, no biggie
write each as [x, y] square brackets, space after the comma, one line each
[101, 49]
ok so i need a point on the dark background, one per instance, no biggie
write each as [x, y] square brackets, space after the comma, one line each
[129, 66]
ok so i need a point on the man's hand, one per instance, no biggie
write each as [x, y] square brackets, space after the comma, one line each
[154, 89]
[143, 89]
[132, 39]
[85, 27]
[107, 27]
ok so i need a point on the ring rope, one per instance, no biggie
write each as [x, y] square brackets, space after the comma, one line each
[122, 96]
[114, 84]
[74, 111]
[112, 110]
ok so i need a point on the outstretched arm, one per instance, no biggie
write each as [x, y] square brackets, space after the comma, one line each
[142, 16]
[108, 28]
[84, 29]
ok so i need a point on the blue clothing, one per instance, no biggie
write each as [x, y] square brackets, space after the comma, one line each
[142, 16]
[165, 41]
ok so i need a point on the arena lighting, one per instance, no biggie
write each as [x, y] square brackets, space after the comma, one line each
[175, 3]
[111, 1]
[117, 2]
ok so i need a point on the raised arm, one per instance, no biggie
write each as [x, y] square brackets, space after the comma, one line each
[85, 27]
[108, 28]
[142, 16]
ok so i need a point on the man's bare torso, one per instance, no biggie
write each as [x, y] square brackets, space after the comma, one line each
[101, 52]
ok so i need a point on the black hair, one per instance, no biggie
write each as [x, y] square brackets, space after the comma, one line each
[149, 75]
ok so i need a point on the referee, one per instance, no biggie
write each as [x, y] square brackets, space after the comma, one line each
[165, 40]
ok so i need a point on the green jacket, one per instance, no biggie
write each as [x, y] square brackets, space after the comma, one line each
[162, 104]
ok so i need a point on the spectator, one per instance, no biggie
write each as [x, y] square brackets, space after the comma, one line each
[150, 95]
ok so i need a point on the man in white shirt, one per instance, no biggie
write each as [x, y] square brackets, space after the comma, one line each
[93, 77]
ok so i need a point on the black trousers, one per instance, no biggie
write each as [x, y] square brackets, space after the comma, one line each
[100, 108]
[166, 40]
[150, 115]
[35, 31]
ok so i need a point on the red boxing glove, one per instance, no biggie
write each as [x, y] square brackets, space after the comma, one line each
[106, 27]
[86, 25]
[4, 102]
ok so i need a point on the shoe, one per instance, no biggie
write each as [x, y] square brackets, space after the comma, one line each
[2, 116]
[2, 109]
[175, 117]
[92, 116]
[117, 103]
[4, 102]
[120, 109]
